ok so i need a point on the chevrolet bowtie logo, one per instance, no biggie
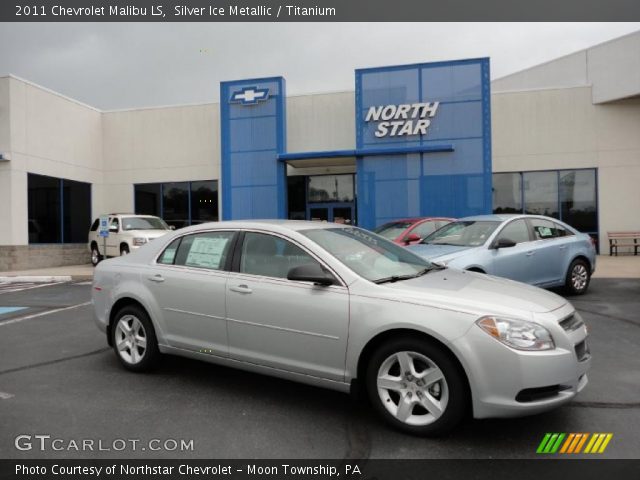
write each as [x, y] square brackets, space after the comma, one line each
[250, 95]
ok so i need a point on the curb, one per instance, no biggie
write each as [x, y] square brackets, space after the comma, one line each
[36, 279]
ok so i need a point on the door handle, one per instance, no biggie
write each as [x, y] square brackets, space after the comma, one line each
[531, 253]
[241, 289]
[563, 247]
[156, 278]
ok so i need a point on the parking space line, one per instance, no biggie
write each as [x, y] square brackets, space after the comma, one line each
[21, 287]
[5, 396]
[28, 317]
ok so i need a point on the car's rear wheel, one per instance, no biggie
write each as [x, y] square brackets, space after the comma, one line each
[134, 339]
[578, 277]
[416, 387]
[96, 258]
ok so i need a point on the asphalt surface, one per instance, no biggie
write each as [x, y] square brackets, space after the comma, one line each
[58, 378]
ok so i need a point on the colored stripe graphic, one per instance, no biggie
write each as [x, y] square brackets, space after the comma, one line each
[572, 443]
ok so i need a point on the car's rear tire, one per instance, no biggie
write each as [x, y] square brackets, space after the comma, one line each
[417, 387]
[124, 250]
[578, 277]
[134, 339]
[96, 258]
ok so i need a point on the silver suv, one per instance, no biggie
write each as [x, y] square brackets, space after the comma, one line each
[127, 231]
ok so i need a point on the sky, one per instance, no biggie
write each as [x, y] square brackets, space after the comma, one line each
[130, 65]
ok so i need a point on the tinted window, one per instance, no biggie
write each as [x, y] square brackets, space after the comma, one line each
[541, 193]
[578, 199]
[76, 210]
[95, 224]
[204, 250]
[544, 229]
[271, 256]
[204, 202]
[44, 209]
[169, 254]
[516, 231]
[424, 229]
[175, 203]
[331, 188]
[507, 193]
[147, 198]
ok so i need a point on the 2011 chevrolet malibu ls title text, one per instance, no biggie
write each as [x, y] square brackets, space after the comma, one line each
[338, 306]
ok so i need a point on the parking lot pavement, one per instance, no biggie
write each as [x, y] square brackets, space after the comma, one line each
[58, 378]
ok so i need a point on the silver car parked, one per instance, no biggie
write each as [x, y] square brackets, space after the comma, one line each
[340, 307]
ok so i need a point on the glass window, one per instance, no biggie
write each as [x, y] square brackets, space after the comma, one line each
[507, 193]
[469, 233]
[204, 202]
[517, 231]
[175, 203]
[169, 254]
[392, 230]
[115, 225]
[95, 224]
[578, 199]
[541, 193]
[76, 210]
[331, 188]
[425, 229]
[204, 250]
[147, 199]
[143, 223]
[44, 209]
[297, 197]
[544, 229]
[562, 231]
[369, 255]
[271, 256]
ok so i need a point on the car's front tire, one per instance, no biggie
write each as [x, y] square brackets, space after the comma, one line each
[134, 339]
[96, 258]
[417, 387]
[578, 277]
[124, 250]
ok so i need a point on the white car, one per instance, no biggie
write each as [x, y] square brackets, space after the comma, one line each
[127, 232]
[340, 307]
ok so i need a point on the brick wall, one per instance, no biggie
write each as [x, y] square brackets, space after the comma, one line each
[25, 257]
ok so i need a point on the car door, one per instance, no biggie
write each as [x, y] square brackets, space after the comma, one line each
[188, 284]
[514, 262]
[289, 325]
[548, 248]
[113, 240]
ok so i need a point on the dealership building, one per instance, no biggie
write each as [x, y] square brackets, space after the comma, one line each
[433, 139]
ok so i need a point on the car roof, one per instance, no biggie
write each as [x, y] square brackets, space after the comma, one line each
[267, 224]
[416, 219]
[503, 217]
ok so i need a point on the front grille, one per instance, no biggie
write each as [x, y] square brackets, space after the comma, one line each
[582, 351]
[571, 323]
[540, 393]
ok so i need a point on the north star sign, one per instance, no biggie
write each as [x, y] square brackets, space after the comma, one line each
[403, 119]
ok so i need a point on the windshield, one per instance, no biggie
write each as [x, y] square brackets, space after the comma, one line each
[467, 233]
[369, 255]
[392, 230]
[143, 223]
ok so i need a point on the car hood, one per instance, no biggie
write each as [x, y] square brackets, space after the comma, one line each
[433, 252]
[475, 292]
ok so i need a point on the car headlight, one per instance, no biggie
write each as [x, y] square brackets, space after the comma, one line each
[139, 241]
[518, 334]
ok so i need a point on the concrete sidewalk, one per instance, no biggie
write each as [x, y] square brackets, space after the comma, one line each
[54, 274]
[606, 267]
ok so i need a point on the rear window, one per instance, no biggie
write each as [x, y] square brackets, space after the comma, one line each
[392, 230]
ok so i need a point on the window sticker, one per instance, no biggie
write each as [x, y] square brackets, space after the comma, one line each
[206, 252]
[545, 232]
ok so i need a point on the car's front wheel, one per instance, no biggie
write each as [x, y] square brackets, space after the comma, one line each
[578, 277]
[124, 250]
[134, 339]
[416, 387]
[95, 255]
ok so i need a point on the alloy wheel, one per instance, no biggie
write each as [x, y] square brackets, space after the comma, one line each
[131, 339]
[412, 388]
[579, 277]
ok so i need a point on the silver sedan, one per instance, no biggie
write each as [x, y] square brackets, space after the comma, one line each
[339, 307]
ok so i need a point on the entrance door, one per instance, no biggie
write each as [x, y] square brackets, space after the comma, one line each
[340, 212]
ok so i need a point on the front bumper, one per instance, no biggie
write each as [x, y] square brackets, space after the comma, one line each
[506, 382]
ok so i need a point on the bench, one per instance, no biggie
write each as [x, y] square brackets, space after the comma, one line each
[623, 239]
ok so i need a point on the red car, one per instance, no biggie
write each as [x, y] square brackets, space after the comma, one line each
[408, 231]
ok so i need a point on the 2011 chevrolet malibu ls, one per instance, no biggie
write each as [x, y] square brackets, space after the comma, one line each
[341, 307]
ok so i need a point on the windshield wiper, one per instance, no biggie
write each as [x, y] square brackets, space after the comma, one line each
[396, 278]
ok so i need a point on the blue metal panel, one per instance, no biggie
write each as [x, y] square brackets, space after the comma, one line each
[405, 178]
[253, 132]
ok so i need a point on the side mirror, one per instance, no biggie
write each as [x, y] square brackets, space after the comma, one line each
[172, 227]
[310, 272]
[504, 243]
[412, 237]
